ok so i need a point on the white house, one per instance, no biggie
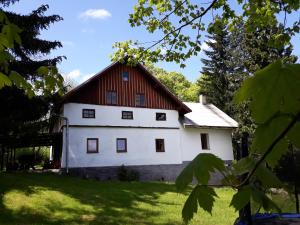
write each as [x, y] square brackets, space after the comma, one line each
[124, 116]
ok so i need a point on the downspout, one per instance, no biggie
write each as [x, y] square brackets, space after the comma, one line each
[67, 144]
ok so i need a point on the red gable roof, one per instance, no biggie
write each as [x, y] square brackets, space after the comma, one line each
[93, 90]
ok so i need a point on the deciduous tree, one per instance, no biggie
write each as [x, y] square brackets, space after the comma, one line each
[273, 91]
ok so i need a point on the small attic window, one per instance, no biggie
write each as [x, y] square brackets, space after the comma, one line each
[125, 76]
[161, 116]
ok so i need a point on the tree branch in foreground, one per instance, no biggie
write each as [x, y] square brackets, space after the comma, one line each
[283, 133]
[184, 25]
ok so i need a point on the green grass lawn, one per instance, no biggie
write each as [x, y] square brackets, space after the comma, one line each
[52, 199]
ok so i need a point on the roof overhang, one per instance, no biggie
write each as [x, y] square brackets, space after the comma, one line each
[207, 127]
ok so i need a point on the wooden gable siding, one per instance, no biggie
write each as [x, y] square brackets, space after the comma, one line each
[95, 91]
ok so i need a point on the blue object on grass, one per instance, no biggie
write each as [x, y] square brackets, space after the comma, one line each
[264, 216]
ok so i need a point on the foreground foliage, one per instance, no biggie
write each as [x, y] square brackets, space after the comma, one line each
[272, 92]
[277, 115]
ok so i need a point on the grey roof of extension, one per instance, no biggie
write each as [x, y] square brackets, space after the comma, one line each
[207, 116]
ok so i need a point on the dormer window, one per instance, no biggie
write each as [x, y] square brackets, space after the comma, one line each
[125, 76]
[140, 100]
[111, 97]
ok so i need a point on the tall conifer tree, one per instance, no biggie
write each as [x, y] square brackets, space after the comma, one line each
[28, 56]
[215, 82]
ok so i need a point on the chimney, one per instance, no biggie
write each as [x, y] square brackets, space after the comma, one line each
[202, 99]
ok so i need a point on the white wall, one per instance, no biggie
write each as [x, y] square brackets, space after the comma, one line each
[140, 147]
[220, 143]
[182, 144]
[112, 116]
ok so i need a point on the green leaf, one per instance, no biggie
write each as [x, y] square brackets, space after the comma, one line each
[294, 135]
[4, 80]
[267, 177]
[43, 70]
[241, 198]
[200, 167]
[265, 134]
[278, 151]
[10, 32]
[17, 79]
[243, 166]
[204, 196]
[185, 177]
[190, 207]
[262, 199]
[273, 89]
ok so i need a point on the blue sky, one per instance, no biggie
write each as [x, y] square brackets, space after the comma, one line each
[89, 30]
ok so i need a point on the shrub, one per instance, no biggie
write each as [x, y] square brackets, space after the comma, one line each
[27, 158]
[125, 174]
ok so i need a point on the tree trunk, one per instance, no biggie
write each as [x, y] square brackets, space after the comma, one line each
[245, 213]
[2, 158]
[295, 178]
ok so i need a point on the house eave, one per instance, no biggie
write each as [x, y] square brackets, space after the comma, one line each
[209, 127]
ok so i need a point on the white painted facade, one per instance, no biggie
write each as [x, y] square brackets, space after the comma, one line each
[181, 143]
[220, 143]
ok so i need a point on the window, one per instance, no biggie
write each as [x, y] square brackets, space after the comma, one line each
[111, 97]
[92, 145]
[204, 141]
[140, 100]
[161, 116]
[127, 115]
[160, 145]
[125, 76]
[88, 113]
[121, 145]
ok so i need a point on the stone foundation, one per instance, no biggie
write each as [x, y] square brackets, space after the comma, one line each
[167, 172]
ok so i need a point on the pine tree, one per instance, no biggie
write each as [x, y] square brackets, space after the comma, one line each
[214, 84]
[28, 57]
[26, 54]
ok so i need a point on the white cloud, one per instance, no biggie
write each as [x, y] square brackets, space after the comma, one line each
[74, 75]
[95, 14]
[77, 76]
[86, 77]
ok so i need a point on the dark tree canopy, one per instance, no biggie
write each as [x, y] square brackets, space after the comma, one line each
[30, 60]
[215, 83]
[26, 54]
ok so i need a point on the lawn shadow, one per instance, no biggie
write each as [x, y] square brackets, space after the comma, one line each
[54, 199]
